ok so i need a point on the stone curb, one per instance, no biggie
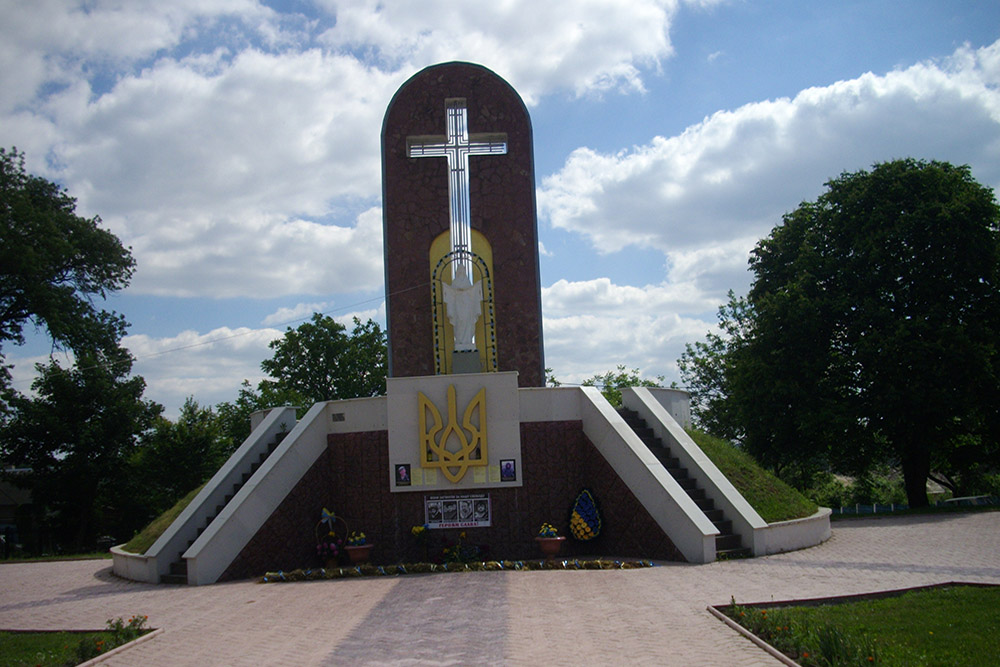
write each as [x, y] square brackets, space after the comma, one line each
[121, 649]
[752, 637]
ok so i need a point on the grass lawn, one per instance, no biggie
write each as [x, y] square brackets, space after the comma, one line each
[948, 625]
[67, 648]
[773, 499]
[43, 648]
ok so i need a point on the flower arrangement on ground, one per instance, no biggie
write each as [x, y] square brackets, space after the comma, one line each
[329, 545]
[460, 552]
[585, 517]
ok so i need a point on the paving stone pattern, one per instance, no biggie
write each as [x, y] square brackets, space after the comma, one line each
[650, 617]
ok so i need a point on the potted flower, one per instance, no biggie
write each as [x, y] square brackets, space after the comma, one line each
[358, 548]
[549, 540]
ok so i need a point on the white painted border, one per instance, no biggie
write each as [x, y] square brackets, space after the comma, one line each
[797, 534]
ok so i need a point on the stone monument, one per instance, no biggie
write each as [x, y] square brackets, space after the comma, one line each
[460, 231]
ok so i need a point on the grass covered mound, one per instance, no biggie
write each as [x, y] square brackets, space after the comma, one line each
[145, 538]
[945, 625]
[773, 499]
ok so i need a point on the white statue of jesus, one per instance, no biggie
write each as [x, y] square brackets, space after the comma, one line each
[464, 306]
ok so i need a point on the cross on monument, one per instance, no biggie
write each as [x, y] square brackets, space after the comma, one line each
[456, 147]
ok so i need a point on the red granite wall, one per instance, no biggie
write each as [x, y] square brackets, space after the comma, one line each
[502, 201]
[351, 478]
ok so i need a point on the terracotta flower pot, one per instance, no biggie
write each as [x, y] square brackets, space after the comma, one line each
[359, 554]
[550, 546]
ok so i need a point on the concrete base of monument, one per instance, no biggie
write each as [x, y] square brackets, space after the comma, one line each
[465, 362]
[338, 457]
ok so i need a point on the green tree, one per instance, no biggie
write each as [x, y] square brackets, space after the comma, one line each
[53, 264]
[869, 333]
[176, 457]
[77, 436]
[612, 382]
[234, 416]
[320, 361]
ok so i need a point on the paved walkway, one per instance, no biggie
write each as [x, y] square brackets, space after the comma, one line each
[653, 616]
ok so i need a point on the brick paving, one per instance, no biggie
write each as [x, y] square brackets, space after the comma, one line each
[652, 616]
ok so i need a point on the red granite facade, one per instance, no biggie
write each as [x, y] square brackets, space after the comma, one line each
[351, 478]
[502, 202]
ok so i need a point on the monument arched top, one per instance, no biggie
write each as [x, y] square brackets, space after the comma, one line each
[480, 178]
[420, 96]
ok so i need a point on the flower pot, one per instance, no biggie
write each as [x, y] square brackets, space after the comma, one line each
[550, 546]
[359, 554]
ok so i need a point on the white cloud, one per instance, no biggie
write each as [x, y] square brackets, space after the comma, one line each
[236, 150]
[301, 312]
[289, 132]
[580, 346]
[209, 366]
[587, 47]
[711, 191]
[297, 313]
[260, 256]
[53, 41]
[601, 296]
[593, 326]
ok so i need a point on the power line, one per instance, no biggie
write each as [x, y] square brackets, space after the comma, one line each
[345, 308]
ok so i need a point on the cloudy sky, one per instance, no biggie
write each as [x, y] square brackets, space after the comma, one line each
[234, 145]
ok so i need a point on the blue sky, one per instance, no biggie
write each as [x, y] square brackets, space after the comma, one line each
[234, 145]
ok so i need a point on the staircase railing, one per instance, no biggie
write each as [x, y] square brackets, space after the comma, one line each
[174, 541]
[746, 522]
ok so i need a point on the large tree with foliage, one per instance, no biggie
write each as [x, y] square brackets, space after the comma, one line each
[869, 333]
[177, 456]
[321, 361]
[317, 361]
[54, 264]
[76, 437]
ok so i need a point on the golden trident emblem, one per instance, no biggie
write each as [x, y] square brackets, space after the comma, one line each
[459, 446]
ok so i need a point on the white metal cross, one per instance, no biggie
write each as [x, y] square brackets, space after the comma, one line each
[456, 147]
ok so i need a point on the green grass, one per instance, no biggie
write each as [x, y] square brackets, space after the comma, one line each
[67, 648]
[43, 648]
[145, 538]
[773, 499]
[948, 625]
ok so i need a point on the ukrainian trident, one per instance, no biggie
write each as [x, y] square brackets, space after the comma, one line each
[455, 446]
